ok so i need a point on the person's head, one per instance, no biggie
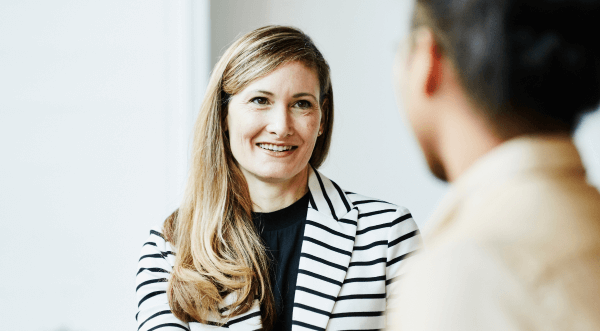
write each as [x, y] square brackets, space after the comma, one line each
[267, 113]
[520, 66]
[274, 122]
[267, 71]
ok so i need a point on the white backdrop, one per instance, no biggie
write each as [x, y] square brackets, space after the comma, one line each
[96, 103]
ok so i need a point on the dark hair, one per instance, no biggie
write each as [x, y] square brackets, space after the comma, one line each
[529, 63]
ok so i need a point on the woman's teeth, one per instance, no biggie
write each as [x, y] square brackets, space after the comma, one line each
[275, 148]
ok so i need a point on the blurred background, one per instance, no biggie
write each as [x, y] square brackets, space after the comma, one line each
[97, 100]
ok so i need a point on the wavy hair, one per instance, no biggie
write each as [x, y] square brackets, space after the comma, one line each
[218, 251]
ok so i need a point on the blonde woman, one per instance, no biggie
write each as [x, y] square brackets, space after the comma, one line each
[262, 240]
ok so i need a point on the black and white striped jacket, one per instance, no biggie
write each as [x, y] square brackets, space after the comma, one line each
[352, 249]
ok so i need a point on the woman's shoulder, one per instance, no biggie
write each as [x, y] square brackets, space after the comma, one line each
[369, 207]
[160, 234]
[385, 225]
[157, 238]
[156, 247]
[378, 216]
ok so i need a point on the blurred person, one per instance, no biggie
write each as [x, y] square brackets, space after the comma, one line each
[262, 239]
[493, 91]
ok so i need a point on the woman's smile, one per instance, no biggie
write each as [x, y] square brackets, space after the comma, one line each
[277, 148]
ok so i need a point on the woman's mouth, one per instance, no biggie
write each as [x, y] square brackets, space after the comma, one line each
[277, 148]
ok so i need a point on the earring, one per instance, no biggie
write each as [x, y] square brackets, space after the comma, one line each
[320, 132]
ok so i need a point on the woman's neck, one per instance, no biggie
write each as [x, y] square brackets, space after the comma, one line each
[270, 196]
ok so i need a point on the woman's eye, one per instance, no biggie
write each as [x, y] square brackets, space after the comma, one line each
[259, 101]
[304, 104]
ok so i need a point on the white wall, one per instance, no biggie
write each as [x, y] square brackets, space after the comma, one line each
[96, 100]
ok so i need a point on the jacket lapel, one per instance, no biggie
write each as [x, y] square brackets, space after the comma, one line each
[326, 251]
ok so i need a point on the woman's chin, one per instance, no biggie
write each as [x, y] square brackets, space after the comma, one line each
[278, 175]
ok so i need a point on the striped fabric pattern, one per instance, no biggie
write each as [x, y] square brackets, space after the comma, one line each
[353, 251]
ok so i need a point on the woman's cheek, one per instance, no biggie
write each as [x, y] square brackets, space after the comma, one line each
[314, 124]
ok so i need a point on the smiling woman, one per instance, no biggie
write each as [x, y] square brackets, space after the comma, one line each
[262, 240]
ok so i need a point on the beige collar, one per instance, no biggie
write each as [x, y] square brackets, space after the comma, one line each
[516, 156]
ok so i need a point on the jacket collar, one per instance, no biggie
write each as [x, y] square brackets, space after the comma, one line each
[326, 196]
[516, 157]
[329, 234]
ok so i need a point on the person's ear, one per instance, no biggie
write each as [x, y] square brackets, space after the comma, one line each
[321, 128]
[324, 110]
[427, 58]
[434, 78]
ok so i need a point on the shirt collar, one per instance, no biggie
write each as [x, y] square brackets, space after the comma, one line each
[513, 157]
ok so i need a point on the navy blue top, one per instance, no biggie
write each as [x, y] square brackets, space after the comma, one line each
[282, 233]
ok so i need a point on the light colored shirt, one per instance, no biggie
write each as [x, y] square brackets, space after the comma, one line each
[515, 245]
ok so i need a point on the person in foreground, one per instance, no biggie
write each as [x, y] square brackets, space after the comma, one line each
[493, 90]
[262, 240]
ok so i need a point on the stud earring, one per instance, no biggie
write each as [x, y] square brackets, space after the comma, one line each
[320, 132]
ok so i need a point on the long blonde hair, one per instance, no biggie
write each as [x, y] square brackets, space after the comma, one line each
[218, 251]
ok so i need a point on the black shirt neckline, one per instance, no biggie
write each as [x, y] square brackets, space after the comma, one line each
[277, 220]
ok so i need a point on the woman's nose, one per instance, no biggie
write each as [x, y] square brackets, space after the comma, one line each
[280, 122]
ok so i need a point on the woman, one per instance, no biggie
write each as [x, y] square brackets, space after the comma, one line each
[262, 239]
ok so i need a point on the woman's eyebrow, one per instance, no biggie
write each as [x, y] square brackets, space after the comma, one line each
[264, 92]
[304, 94]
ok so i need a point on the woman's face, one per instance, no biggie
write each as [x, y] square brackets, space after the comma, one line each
[274, 123]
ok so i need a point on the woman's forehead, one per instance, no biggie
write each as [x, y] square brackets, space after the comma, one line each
[291, 77]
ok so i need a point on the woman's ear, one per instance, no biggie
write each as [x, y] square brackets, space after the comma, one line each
[321, 125]
[324, 111]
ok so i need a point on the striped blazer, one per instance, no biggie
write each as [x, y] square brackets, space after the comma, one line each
[351, 252]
